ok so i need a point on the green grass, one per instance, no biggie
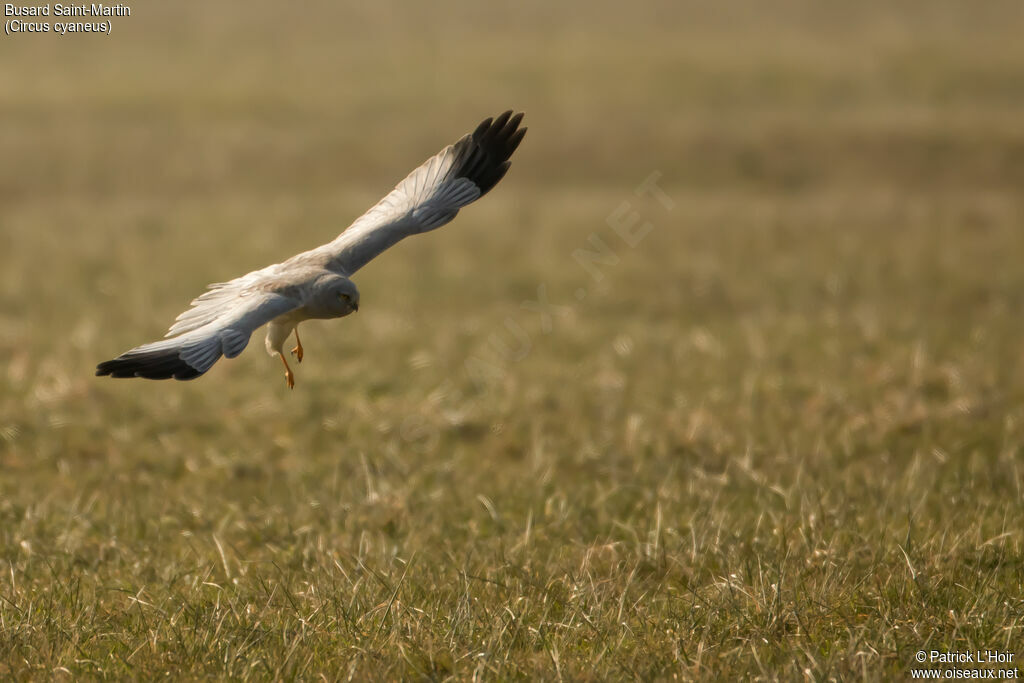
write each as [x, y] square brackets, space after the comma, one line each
[779, 438]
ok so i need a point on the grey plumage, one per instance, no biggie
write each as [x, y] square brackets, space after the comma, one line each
[315, 283]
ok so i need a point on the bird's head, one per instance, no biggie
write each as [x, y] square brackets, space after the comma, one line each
[347, 295]
[336, 296]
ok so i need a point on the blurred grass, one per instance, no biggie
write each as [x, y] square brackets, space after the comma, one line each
[780, 438]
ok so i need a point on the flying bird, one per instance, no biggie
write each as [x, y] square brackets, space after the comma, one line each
[316, 283]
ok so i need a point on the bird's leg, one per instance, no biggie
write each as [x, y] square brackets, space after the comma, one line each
[297, 351]
[288, 376]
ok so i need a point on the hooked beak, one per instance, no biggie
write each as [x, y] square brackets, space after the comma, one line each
[355, 307]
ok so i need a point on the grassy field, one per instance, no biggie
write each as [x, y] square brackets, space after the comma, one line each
[776, 433]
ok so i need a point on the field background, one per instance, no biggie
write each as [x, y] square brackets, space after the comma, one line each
[779, 437]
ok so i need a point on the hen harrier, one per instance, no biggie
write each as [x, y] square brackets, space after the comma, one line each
[315, 283]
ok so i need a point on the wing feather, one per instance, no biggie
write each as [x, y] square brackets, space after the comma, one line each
[191, 354]
[429, 197]
[211, 304]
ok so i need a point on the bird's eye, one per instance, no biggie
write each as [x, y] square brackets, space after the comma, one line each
[346, 297]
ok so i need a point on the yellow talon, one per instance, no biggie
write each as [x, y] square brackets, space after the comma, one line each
[297, 351]
[288, 376]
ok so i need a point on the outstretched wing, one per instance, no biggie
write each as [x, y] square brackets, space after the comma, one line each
[220, 323]
[221, 320]
[430, 196]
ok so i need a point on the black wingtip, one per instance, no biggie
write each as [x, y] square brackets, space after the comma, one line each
[148, 365]
[486, 154]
